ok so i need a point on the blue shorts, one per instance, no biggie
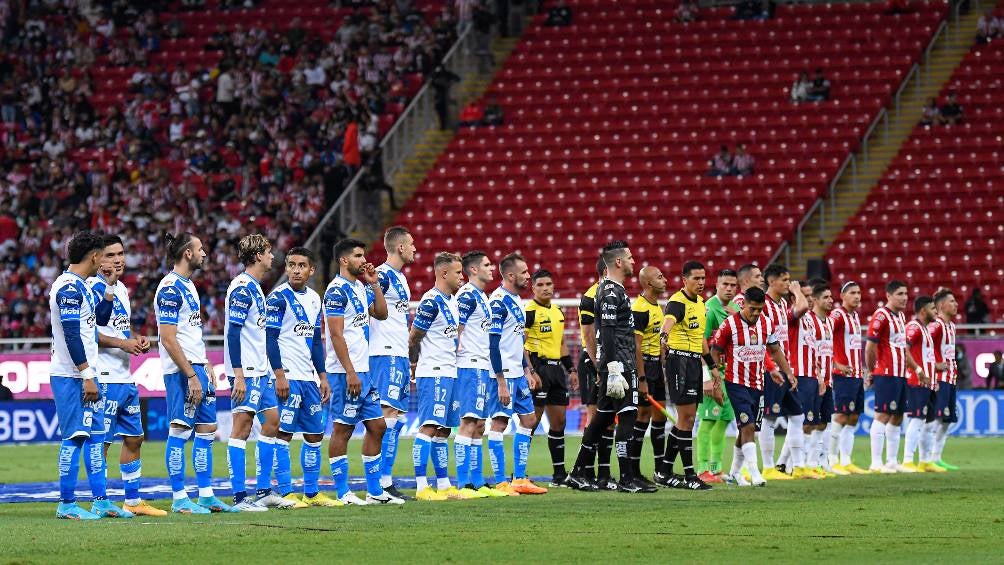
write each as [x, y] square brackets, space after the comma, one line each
[920, 402]
[259, 396]
[521, 403]
[394, 374]
[350, 411]
[179, 411]
[826, 406]
[808, 397]
[472, 391]
[438, 403]
[946, 406]
[122, 413]
[302, 412]
[76, 417]
[779, 400]
[890, 394]
[747, 403]
[848, 395]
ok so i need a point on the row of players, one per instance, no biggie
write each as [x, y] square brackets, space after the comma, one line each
[275, 355]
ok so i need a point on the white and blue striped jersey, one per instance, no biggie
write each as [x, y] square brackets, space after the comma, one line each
[351, 301]
[508, 322]
[113, 363]
[472, 303]
[390, 336]
[297, 316]
[246, 310]
[438, 317]
[72, 312]
[177, 304]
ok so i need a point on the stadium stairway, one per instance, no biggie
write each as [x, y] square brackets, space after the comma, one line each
[853, 188]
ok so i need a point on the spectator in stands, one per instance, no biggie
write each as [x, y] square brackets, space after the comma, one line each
[819, 90]
[742, 162]
[995, 372]
[517, 13]
[473, 114]
[800, 88]
[484, 19]
[988, 28]
[747, 10]
[721, 163]
[767, 9]
[977, 311]
[686, 12]
[951, 111]
[442, 80]
[493, 112]
[931, 113]
[559, 15]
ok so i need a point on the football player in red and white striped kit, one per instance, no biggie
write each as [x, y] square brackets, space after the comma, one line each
[742, 342]
[919, 399]
[822, 306]
[848, 382]
[887, 358]
[943, 334]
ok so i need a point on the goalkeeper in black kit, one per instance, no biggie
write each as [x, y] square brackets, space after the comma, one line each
[618, 376]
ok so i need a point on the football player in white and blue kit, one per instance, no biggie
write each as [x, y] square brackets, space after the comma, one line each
[514, 376]
[189, 378]
[432, 346]
[349, 301]
[116, 344]
[75, 313]
[473, 374]
[389, 348]
[252, 388]
[295, 350]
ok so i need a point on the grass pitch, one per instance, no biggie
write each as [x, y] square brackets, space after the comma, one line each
[954, 517]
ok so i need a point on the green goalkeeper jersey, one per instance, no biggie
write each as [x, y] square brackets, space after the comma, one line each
[716, 313]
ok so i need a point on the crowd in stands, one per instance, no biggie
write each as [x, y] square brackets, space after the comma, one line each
[263, 137]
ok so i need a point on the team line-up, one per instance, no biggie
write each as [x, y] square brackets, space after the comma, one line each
[762, 348]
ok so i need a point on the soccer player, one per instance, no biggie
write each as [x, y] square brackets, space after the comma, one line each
[515, 378]
[189, 378]
[295, 348]
[252, 388]
[683, 332]
[887, 359]
[943, 334]
[389, 348]
[588, 388]
[473, 373]
[920, 400]
[75, 314]
[803, 361]
[819, 315]
[781, 399]
[715, 417]
[432, 346]
[545, 344]
[848, 383]
[618, 380]
[351, 298]
[648, 319]
[118, 390]
[741, 344]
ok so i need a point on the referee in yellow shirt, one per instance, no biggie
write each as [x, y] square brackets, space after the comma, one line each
[545, 329]
[686, 347]
[648, 318]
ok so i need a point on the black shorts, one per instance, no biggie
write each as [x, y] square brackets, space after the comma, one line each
[617, 405]
[655, 379]
[685, 376]
[553, 384]
[587, 380]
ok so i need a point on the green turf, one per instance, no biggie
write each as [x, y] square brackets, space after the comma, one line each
[890, 518]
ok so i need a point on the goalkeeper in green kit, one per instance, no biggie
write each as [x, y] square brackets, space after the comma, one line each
[715, 414]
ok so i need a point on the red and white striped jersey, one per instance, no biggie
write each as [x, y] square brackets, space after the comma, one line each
[802, 347]
[943, 335]
[745, 346]
[780, 316]
[922, 351]
[823, 330]
[888, 331]
[846, 340]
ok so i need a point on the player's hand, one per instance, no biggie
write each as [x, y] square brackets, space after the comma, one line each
[941, 366]
[717, 392]
[844, 369]
[642, 386]
[707, 386]
[573, 379]
[194, 391]
[91, 392]
[368, 274]
[504, 397]
[793, 382]
[325, 389]
[110, 273]
[777, 377]
[353, 386]
[532, 378]
[822, 385]
[238, 391]
[413, 367]
[144, 343]
[132, 346]
[937, 385]
[281, 388]
[794, 287]
[922, 377]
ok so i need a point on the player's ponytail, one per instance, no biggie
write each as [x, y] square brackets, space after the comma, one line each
[175, 245]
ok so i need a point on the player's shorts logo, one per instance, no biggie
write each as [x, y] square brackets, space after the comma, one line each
[948, 411]
[810, 416]
[716, 411]
[775, 407]
[892, 405]
[393, 392]
[287, 417]
[851, 405]
[439, 411]
[349, 412]
[744, 417]
[314, 409]
[924, 411]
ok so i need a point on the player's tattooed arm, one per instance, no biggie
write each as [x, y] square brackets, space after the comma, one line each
[415, 337]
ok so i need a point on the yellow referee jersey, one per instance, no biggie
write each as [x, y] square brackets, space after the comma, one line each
[587, 308]
[648, 319]
[690, 316]
[545, 326]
